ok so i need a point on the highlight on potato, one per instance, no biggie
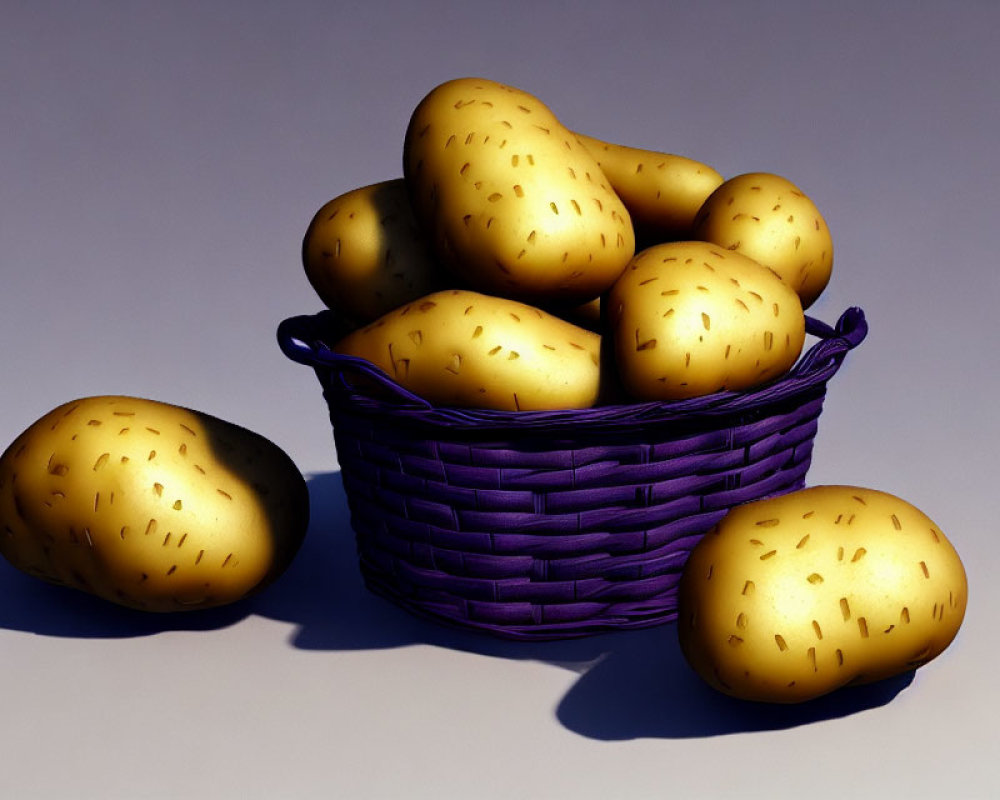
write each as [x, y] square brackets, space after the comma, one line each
[793, 597]
[149, 505]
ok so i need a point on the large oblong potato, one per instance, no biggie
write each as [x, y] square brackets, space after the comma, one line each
[149, 505]
[364, 254]
[768, 218]
[792, 597]
[690, 318]
[467, 349]
[662, 192]
[511, 201]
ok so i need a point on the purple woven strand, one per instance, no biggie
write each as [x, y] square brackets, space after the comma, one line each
[501, 548]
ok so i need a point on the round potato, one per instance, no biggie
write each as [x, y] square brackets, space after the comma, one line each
[364, 254]
[512, 203]
[792, 597]
[149, 505]
[467, 349]
[769, 219]
[690, 318]
[662, 192]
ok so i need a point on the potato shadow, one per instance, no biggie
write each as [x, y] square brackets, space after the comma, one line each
[31, 605]
[325, 598]
[322, 596]
[632, 684]
[647, 690]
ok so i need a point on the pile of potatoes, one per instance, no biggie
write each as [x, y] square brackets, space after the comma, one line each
[519, 265]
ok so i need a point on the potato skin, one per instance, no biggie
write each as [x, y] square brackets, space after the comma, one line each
[662, 192]
[771, 220]
[793, 597]
[690, 318]
[364, 254]
[512, 203]
[149, 505]
[467, 349]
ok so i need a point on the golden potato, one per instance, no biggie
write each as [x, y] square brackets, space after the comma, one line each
[463, 348]
[364, 254]
[662, 192]
[690, 318]
[769, 219]
[149, 505]
[511, 201]
[792, 597]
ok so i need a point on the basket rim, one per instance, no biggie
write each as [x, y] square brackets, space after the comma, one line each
[306, 339]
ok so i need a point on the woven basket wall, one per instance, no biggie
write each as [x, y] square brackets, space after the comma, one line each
[545, 525]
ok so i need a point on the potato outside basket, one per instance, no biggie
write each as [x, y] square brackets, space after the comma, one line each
[554, 524]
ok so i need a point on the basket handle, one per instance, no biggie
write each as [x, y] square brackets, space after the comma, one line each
[850, 331]
[300, 339]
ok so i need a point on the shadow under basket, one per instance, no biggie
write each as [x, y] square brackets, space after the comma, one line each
[554, 524]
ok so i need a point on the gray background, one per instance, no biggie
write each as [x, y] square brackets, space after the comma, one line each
[160, 162]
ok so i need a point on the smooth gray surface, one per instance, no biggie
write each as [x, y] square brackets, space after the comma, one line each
[160, 162]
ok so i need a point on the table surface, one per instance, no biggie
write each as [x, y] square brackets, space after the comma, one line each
[161, 162]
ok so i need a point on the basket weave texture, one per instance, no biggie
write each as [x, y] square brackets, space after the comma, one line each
[554, 524]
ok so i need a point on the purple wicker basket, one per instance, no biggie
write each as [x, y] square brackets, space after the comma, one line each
[554, 524]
